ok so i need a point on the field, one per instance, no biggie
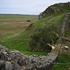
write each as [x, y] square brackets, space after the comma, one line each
[14, 32]
[13, 25]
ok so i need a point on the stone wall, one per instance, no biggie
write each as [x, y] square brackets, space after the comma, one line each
[14, 60]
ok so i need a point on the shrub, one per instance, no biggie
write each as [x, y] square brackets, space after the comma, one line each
[41, 38]
[28, 20]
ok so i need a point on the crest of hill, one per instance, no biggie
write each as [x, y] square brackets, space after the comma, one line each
[56, 9]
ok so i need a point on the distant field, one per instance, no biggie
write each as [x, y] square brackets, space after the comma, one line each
[15, 32]
[16, 17]
[13, 25]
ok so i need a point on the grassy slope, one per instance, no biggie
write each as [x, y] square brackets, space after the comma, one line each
[21, 42]
[64, 63]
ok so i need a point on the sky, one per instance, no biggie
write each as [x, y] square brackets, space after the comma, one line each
[26, 6]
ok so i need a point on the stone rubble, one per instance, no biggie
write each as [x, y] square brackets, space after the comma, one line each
[14, 60]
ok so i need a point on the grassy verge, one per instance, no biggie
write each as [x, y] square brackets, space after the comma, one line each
[64, 63]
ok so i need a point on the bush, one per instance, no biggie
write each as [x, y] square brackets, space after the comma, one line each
[41, 38]
[28, 20]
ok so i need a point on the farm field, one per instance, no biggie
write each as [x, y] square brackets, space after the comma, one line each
[13, 25]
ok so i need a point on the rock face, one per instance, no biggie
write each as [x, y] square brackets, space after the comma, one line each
[14, 60]
[55, 9]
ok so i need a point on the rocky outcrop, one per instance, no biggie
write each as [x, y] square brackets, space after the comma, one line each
[55, 9]
[14, 60]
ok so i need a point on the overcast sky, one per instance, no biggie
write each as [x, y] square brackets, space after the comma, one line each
[26, 6]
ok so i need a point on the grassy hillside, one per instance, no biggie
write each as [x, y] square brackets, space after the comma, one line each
[59, 10]
[21, 42]
[63, 63]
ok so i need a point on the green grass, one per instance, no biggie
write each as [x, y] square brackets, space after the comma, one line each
[4, 26]
[53, 20]
[21, 42]
[64, 61]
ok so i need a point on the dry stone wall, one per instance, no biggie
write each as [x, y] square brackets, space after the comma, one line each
[14, 60]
